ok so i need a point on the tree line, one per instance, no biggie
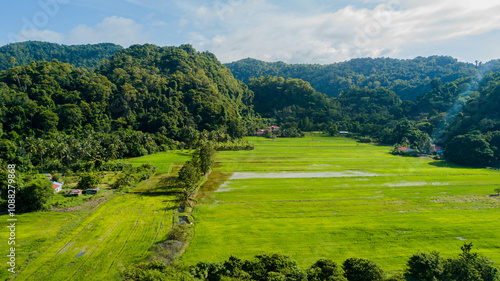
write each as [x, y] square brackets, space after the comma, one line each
[467, 266]
[88, 56]
[408, 78]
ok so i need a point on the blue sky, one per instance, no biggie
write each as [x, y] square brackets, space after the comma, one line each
[294, 31]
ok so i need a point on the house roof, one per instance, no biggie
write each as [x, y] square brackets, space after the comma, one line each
[56, 185]
[438, 148]
[403, 148]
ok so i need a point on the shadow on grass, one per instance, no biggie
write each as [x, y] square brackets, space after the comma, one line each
[446, 164]
[383, 144]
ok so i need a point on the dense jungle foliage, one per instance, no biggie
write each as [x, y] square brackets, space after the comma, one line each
[146, 98]
[143, 100]
[84, 56]
[407, 78]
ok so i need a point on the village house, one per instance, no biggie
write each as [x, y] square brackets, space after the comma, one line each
[405, 149]
[92, 190]
[75, 192]
[57, 186]
[262, 132]
[439, 149]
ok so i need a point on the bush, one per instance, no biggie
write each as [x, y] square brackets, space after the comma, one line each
[115, 166]
[425, 267]
[88, 181]
[362, 270]
[179, 233]
[35, 195]
[325, 270]
[470, 266]
[155, 270]
[469, 150]
[129, 177]
[208, 271]
[278, 263]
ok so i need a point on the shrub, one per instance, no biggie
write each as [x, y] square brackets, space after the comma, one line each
[35, 195]
[325, 270]
[88, 180]
[425, 267]
[362, 270]
[278, 263]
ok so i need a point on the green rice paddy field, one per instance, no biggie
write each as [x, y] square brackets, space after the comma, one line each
[337, 198]
[96, 241]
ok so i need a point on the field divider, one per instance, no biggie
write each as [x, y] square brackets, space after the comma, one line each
[161, 224]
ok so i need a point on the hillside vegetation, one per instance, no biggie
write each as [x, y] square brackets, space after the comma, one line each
[408, 78]
[85, 56]
[143, 100]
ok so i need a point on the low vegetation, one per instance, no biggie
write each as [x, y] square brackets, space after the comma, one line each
[269, 267]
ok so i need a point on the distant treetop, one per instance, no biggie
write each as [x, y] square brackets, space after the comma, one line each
[408, 78]
[83, 56]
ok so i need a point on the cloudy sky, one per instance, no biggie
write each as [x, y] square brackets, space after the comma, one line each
[294, 31]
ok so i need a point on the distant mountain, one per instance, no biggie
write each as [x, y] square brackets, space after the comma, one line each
[407, 78]
[172, 90]
[84, 56]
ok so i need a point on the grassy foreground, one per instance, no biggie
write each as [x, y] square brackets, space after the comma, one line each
[336, 198]
[98, 239]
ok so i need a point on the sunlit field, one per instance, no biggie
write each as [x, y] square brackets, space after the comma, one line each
[337, 198]
[98, 239]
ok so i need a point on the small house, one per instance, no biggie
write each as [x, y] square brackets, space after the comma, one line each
[92, 190]
[57, 186]
[405, 149]
[343, 133]
[259, 133]
[273, 128]
[439, 149]
[75, 192]
[262, 132]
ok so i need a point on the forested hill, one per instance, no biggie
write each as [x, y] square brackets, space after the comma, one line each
[144, 87]
[85, 56]
[144, 99]
[407, 78]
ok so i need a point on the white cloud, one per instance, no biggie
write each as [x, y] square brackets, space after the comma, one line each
[118, 30]
[38, 35]
[113, 29]
[261, 30]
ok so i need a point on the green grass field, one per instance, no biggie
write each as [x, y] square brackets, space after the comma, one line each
[336, 198]
[162, 160]
[93, 242]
